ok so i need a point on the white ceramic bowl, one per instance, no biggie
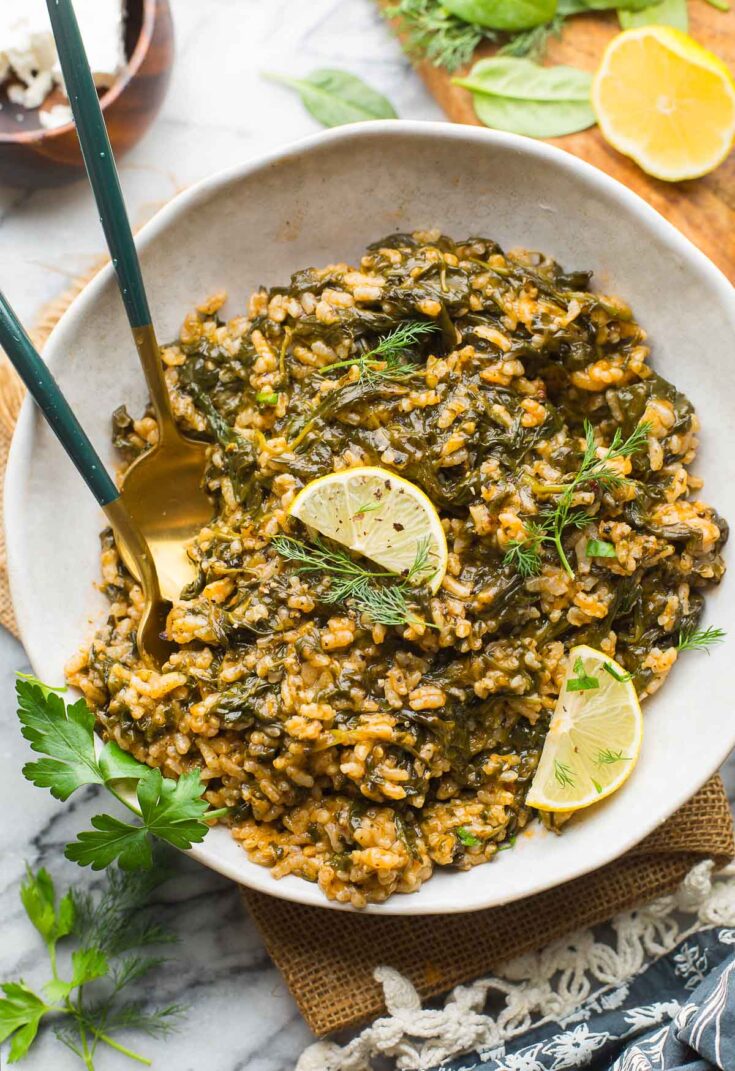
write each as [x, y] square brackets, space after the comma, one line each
[324, 200]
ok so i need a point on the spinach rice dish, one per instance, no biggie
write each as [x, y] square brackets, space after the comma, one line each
[360, 749]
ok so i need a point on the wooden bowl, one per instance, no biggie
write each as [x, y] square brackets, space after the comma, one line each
[32, 156]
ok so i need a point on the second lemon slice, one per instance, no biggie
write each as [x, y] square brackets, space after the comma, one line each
[594, 738]
[665, 101]
[378, 514]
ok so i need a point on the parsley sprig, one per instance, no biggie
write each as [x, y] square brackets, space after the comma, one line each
[174, 811]
[555, 521]
[385, 361]
[384, 597]
[89, 1004]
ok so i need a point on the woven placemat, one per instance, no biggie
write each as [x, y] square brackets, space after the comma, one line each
[327, 958]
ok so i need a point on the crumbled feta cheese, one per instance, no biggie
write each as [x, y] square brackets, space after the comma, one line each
[28, 55]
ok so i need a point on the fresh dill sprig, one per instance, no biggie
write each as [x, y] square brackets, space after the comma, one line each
[351, 582]
[384, 361]
[555, 521]
[563, 774]
[533, 43]
[525, 554]
[698, 639]
[608, 757]
[87, 1008]
[432, 33]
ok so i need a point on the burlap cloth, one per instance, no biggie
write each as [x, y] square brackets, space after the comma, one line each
[327, 958]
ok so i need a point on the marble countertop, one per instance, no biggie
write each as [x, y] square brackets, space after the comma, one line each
[241, 1016]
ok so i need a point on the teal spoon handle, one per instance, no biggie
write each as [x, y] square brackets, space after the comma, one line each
[98, 160]
[45, 391]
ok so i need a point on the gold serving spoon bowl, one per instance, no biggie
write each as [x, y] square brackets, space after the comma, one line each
[163, 503]
[163, 489]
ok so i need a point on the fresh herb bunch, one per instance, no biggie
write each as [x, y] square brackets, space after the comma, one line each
[385, 361]
[112, 933]
[555, 521]
[432, 33]
[174, 811]
[384, 597]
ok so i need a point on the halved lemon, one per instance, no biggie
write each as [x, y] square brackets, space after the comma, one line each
[594, 738]
[665, 101]
[378, 514]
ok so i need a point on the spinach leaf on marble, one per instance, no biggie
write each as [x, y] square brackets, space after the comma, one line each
[337, 97]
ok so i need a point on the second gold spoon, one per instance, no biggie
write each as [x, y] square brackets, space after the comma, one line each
[163, 490]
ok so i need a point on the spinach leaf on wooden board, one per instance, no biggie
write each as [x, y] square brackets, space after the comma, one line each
[507, 15]
[665, 13]
[336, 97]
[521, 97]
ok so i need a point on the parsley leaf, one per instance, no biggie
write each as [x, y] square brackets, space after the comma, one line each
[38, 896]
[20, 1011]
[467, 837]
[583, 682]
[615, 673]
[65, 734]
[175, 811]
[170, 810]
[599, 548]
[111, 840]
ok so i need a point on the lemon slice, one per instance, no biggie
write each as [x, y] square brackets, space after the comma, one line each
[665, 101]
[594, 738]
[378, 514]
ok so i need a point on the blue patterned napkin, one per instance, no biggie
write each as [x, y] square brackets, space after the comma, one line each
[677, 1015]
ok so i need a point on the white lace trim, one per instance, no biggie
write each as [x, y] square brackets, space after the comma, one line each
[543, 986]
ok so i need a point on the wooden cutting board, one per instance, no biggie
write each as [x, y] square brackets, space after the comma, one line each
[704, 209]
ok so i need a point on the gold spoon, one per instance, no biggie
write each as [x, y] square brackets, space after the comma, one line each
[163, 490]
[152, 643]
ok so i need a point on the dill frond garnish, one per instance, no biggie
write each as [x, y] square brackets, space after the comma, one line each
[525, 554]
[384, 361]
[555, 521]
[563, 774]
[432, 33]
[533, 43]
[699, 639]
[608, 757]
[383, 596]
